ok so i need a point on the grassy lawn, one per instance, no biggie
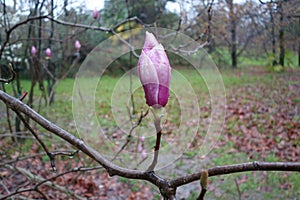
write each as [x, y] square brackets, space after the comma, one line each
[261, 123]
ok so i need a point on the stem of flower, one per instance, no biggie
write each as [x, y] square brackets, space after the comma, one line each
[157, 120]
[157, 143]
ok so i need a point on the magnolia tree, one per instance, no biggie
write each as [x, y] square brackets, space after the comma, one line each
[141, 104]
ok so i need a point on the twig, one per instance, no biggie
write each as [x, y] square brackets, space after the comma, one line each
[238, 189]
[157, 120]
[13, 75]
[8, 32]
[41, 181]
[236, 168]
[23, 95]
[130, 134]
[156, 152]
[55, 153]
[61, 78]
[49, 154]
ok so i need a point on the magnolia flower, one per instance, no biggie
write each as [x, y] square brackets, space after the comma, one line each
[48, 53]
[77, 45]
[95, 14]
[154, 72]
[33, 51]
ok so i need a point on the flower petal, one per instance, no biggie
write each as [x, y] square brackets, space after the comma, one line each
[149, 79]
[160, 60]
[150, 42]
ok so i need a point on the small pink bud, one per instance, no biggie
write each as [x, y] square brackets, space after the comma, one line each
[77, 45]
[48, 53]
[33, 51]
[154, 72]
[140, 148]
[142, 139]
[144, 153]
[95, 14]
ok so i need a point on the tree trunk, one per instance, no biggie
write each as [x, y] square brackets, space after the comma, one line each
[281, 35]
[51, 67]
[299, 42]
[233, 34]
[274, 62]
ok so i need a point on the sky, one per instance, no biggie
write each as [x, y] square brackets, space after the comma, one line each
[92, 4]
[99, 4]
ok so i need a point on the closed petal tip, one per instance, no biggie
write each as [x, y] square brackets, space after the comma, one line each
[150, 42]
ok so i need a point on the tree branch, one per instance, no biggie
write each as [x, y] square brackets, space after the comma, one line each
[42, 181]
[13, 75]
[243, 167]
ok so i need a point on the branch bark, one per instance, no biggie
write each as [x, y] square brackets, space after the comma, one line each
[236, 168]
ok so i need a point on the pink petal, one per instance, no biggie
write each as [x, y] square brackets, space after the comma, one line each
[149, 79]
[140, 148]
[160, 60]
[150, 42]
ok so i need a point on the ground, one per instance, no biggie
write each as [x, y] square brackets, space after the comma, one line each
[262, 123]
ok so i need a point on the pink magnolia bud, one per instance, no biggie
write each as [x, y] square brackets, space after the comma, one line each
[140, 148]
[154, 72]
[77, 45]
[142, 139]
[144, 153]
[33, 51]
[48, 53]
[95, 14]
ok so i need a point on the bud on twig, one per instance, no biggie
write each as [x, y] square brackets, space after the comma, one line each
[33, 51]
[95, 14]
[77, 45]
[48, 53]
[154, 72]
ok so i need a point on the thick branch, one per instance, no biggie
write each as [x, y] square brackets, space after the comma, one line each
[243, 167]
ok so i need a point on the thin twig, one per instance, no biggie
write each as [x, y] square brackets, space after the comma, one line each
[55, 153]
[238, 189]
[41, 181]
[49, 154]
[157, 121]
[130, 134]
[13, 75]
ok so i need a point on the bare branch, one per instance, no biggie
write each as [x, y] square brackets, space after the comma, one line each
[49, 154]
[130, 133]
[41, 181]
[243, 167]
[13, 75]
[8, 32]
[55, 153]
